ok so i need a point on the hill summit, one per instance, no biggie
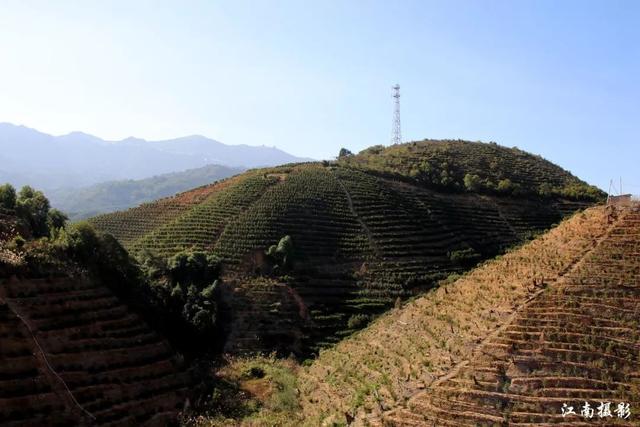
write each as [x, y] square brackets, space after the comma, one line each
[314, 251]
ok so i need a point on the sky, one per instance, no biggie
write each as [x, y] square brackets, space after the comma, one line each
[556, 78]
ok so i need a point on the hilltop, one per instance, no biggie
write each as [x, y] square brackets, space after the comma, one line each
[311, 252]
[551, 322]
[483, 168]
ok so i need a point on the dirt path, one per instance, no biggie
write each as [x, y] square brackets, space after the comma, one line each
[372, 242]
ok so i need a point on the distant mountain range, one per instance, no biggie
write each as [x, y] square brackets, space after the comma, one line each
[111, 196]
[48, 162]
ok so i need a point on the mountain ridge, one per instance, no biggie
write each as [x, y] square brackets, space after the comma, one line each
[79, 159]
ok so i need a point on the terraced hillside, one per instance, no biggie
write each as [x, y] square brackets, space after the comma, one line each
[129, 225]
[72, 354]
[555, 321]
[361, 238]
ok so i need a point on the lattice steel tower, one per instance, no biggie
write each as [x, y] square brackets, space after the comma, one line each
[396, 134]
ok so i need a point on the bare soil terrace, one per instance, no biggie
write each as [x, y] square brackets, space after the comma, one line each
[554, 321]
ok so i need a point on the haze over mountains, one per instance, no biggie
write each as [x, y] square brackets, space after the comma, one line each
[110, 196]
[28, 156]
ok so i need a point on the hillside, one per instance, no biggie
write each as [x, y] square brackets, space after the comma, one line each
[80, 203]
[555, 321]
[30, 157]
[72, 349]
[73, 354]
[359, 237]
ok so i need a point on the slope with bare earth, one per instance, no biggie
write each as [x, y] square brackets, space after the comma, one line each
[72, 354]
[577, 341]
[507, 341]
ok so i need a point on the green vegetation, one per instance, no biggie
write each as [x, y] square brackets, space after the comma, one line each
[465, 257]
[254, 391]
[281, 255]
[32, 208]
[184, 287]
[344, 153]
[196, 226]
[177, 295]
[455, 165]
[358, 321]
[44, 244]
[7, 197]
[118, 195]
[312, 250]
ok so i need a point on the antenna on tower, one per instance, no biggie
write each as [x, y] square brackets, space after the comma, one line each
[396, 134]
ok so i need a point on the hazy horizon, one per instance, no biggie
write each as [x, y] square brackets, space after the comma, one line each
[556, 79]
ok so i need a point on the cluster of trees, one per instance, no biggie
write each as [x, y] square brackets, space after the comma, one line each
[475, 184]
[32, 208]
[48, 245]
[578, 191]
[177, 295]
[475, 167]
[184, 287]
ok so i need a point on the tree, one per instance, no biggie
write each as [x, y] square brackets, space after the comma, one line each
[7, 196]
[282, 254]
[193, 267]
[56, 219]
[344, 153]
[33, 207]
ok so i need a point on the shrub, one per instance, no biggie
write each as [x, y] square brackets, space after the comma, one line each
[465, 257]
[545, 190]
[582, 192]
[358, 321]
[7, 196]
[472, 182]
[505, 186]
[18, 243]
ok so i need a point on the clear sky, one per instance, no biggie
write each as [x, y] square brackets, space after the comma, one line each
[557, 78]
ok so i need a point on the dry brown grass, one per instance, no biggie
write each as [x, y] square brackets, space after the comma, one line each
[408, 349]
[577, 341]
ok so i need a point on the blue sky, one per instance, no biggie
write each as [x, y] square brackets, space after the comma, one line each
[557, 78]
